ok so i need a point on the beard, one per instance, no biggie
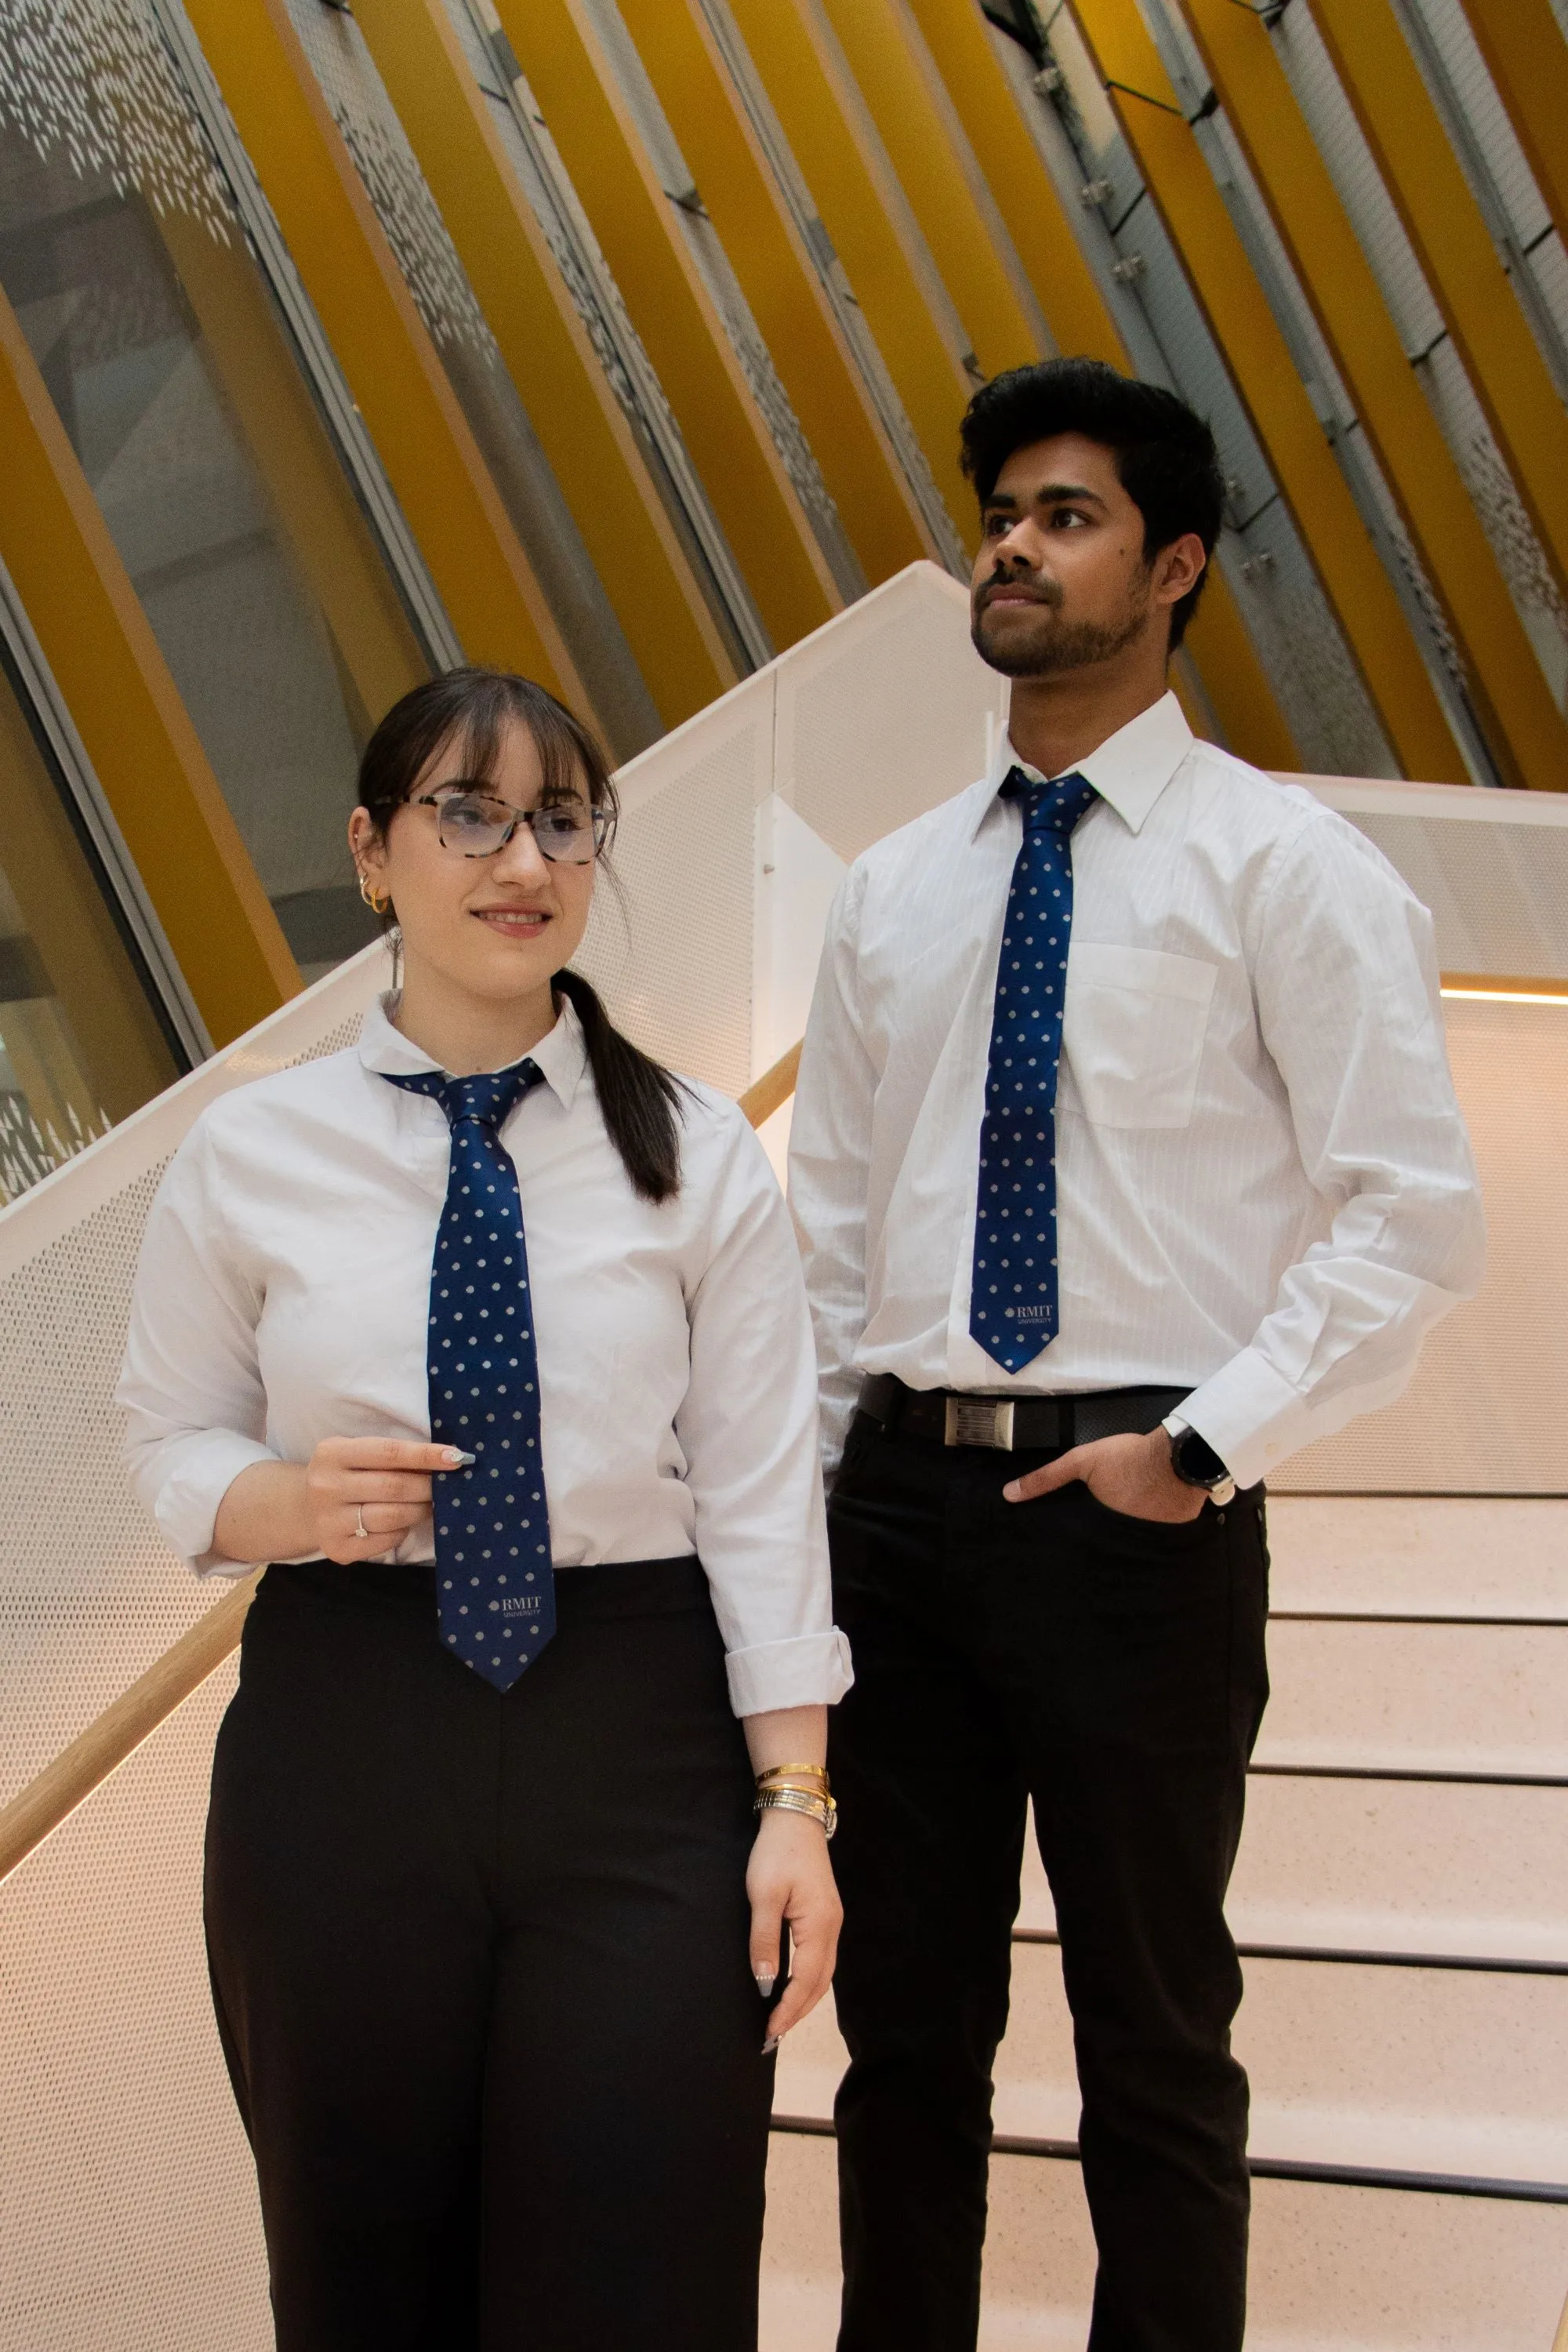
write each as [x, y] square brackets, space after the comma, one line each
[1058, 645]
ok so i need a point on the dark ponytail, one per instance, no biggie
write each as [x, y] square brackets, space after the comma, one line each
[640, 1101]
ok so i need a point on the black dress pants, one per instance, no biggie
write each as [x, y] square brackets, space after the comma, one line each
[1113, 1669]
[481, 1970]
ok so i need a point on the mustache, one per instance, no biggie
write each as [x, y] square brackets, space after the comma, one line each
[1040, 592]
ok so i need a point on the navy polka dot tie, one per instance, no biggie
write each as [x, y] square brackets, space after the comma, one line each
[495, 1583]
[1013, 1309]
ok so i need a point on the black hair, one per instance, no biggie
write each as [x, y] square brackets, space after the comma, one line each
[640, 1101]
[1165, 455]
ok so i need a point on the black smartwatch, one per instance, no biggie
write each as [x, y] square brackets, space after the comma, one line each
[1196, 1464]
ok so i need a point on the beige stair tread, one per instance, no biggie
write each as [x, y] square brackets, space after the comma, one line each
[1467, 1556]
[1416, 2070]
[1418, 1698]
[1333, 2269]
[1444, 1867]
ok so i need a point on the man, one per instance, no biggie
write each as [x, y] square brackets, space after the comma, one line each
[1202, 1220]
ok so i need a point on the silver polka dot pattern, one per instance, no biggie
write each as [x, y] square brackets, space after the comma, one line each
[495, 1584]
[1013, 1305]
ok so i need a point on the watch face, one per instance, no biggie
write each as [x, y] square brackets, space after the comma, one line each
[1197, 1462]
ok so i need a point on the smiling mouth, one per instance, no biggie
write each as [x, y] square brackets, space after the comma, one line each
[513, 922]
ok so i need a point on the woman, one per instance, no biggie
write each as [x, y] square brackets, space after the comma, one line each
[483, 1828]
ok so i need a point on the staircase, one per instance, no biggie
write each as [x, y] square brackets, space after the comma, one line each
[1401, 1900]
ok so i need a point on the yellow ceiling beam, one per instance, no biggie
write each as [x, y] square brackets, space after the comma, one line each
[339, 247]
[138, 734]
[781, 284]
[1523, 725]
[946, 189]
[634, 221]
[1454, 245]
[800, 63]
[580, 423]
[1359, 591]
[960, 44]
[1527, 57]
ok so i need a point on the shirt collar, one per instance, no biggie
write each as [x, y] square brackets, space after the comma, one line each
[560, 1056]
[1130, 769]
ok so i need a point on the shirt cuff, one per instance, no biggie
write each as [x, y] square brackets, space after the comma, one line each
[1251, 1415]
[811, 1670]
[187, 1502]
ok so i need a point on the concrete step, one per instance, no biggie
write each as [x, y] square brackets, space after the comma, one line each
[1421, 1699]
[1422, 2069]
[1333, 2269]
[1439, 1867]
[1417, 1555]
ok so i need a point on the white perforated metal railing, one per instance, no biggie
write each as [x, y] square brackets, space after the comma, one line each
[89, 1595]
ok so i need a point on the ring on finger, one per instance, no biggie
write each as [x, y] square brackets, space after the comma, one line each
[360, 1528]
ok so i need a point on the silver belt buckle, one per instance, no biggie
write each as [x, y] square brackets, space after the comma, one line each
[980, 1420]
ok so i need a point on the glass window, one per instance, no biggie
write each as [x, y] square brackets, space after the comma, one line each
[80, 1041]
[173, 374]
[538, 511]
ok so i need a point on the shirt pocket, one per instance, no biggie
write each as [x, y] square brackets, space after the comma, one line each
[1134, 1028]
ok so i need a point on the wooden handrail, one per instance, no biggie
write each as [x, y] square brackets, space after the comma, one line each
[1507, 990]
[114, 1734]
[773, 1089]
[55, 1793]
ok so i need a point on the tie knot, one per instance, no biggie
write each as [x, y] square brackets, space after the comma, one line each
[1055, 807]
[491, 1096]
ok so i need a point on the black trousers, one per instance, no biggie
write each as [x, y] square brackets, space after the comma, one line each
[1112, 1670]
[481, 1971]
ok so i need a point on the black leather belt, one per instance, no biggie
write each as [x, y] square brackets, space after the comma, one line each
[1014, 1424]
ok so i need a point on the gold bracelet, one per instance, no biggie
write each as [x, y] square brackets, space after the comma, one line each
[821, 1810]
[818, 1772]
[823, 1796]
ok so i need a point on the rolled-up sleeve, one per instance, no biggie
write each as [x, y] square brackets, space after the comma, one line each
[1348, 1002]
[195, 1411]
[748, 1428]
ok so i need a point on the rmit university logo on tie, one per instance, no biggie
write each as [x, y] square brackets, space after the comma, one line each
[1013, 1303]
[495, 1582]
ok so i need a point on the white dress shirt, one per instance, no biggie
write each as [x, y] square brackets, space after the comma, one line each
[1265, 1189]
[283, 1294]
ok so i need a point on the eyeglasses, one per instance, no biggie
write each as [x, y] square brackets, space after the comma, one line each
[475, 824]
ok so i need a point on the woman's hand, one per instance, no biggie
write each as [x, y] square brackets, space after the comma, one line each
[790, 1878]
[382, 1484]
[283, 1510]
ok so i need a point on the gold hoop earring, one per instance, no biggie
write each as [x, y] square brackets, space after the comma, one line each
[374, 899]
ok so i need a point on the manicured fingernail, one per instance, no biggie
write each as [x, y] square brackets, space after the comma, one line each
[766, 1979]
[1014, 1493]
[458, 1460]
[770, 2044]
